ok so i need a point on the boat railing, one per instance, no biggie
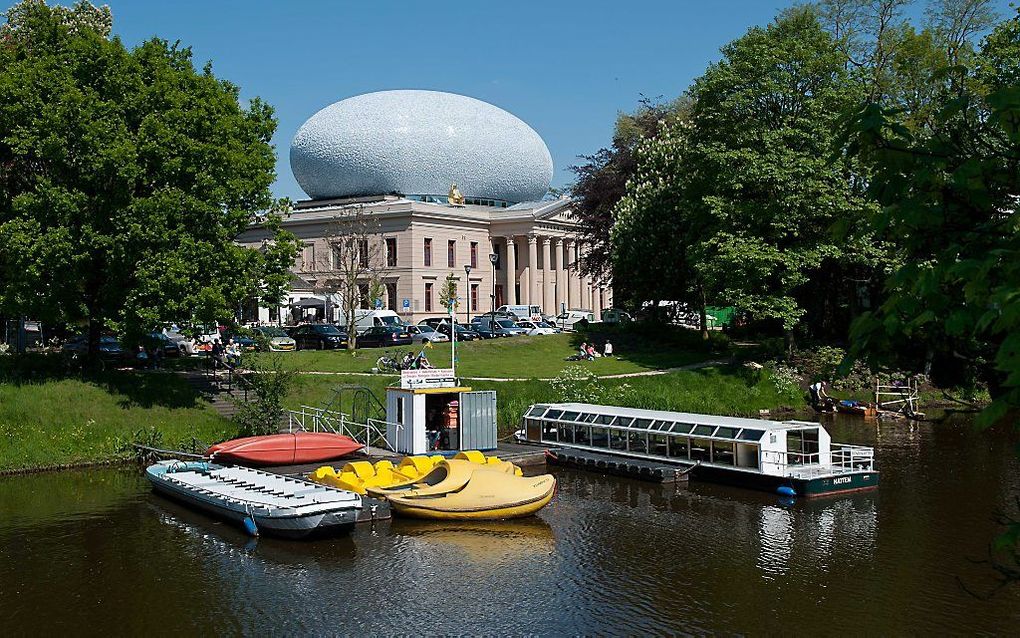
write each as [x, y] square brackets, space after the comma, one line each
[842, 458]
[371, 432]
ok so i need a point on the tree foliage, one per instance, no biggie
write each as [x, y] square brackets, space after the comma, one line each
[602, 181]
[125, 176]
[950, 195]
[744, 193]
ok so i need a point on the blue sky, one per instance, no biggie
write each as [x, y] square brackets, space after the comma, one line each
[565, 68]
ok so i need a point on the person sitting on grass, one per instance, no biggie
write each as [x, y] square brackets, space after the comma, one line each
[583, 350]
[592, 352]
[608, 350]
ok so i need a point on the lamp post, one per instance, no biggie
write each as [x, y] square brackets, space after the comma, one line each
[493, 258]
[467, 289]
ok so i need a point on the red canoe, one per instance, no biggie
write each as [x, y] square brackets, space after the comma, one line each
[284, 449]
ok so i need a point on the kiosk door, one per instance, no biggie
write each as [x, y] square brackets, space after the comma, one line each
[478, 420]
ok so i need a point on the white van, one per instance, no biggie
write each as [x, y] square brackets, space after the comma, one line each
[533, 313]
[365, 319]
[566, 320]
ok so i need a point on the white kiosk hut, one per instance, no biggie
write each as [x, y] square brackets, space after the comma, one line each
[431, 412]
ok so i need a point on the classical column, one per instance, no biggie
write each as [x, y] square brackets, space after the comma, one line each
[533, 296]
[585, 288]
[561, 280]
[573, 295]
[548, 301]
[596, 304]
[511, 271]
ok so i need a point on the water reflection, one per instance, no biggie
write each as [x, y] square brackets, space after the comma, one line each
[817, 532]
[494, 543]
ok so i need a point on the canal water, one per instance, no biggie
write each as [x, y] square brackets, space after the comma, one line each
[95, 551]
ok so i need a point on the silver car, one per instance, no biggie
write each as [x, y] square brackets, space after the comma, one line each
[422, 333]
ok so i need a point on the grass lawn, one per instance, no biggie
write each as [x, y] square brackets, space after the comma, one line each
[50, 422]
[517, 357]
[725, 390]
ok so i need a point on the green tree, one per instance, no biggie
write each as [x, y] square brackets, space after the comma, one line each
[448, 293]
[125, 176]
[601, 180]
[745, 194]
[949, 195]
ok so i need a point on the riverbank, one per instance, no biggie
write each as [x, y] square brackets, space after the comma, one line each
[62, 422]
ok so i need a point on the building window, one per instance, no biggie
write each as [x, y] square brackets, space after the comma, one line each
[473, 303]
[451, 254]
[517, 260]
[308, 257]
[428, 251]
[364, 301]
[474, 254]
[337, 257]
[391, 251]
[428, 297]
[391, 295]
[499, 256]
[499, 296]
[363, 253]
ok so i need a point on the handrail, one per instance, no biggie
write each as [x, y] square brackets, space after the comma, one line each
[311, 419]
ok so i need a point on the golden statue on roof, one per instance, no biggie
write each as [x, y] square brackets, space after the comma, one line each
[455, 198]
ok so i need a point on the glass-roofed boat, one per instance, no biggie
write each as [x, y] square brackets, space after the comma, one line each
[791, 457]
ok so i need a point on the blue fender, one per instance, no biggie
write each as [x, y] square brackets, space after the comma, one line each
[786, 490]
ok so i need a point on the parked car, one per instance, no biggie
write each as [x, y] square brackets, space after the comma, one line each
[536, 328]
[504, 327]
[276, 338]
[485, 332]
[171, 347]
[365, 319]
[384, 336]
[464, 333]
[569, 319]
[244, 342]
[319, 336]
[422, 334]
[614, 315]
[110, 349]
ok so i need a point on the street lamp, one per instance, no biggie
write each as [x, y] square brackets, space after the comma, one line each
[467, 289]
[493, 258]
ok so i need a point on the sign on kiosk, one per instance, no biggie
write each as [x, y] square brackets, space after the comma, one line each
[430, 378]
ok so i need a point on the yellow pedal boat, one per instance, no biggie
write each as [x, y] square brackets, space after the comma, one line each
[359, 476]
[486, 495]
[448, 475]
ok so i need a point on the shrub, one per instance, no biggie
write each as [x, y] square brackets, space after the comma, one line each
[784, 377]
[270, 383]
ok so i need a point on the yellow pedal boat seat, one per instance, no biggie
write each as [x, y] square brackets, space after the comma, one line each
[486, 495]
[447, 475]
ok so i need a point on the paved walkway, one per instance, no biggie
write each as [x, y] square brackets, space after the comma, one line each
[622, 375]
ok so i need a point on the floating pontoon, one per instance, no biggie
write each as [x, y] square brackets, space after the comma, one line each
[797, 456]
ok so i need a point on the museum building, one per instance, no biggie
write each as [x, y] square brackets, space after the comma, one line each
[452, 186]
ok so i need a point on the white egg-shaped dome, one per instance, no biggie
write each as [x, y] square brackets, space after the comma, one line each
[419, 143]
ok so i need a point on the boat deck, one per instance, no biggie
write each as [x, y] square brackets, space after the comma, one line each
[258, 488]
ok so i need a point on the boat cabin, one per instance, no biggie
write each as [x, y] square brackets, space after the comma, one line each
[430, 412]
[720, 446]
